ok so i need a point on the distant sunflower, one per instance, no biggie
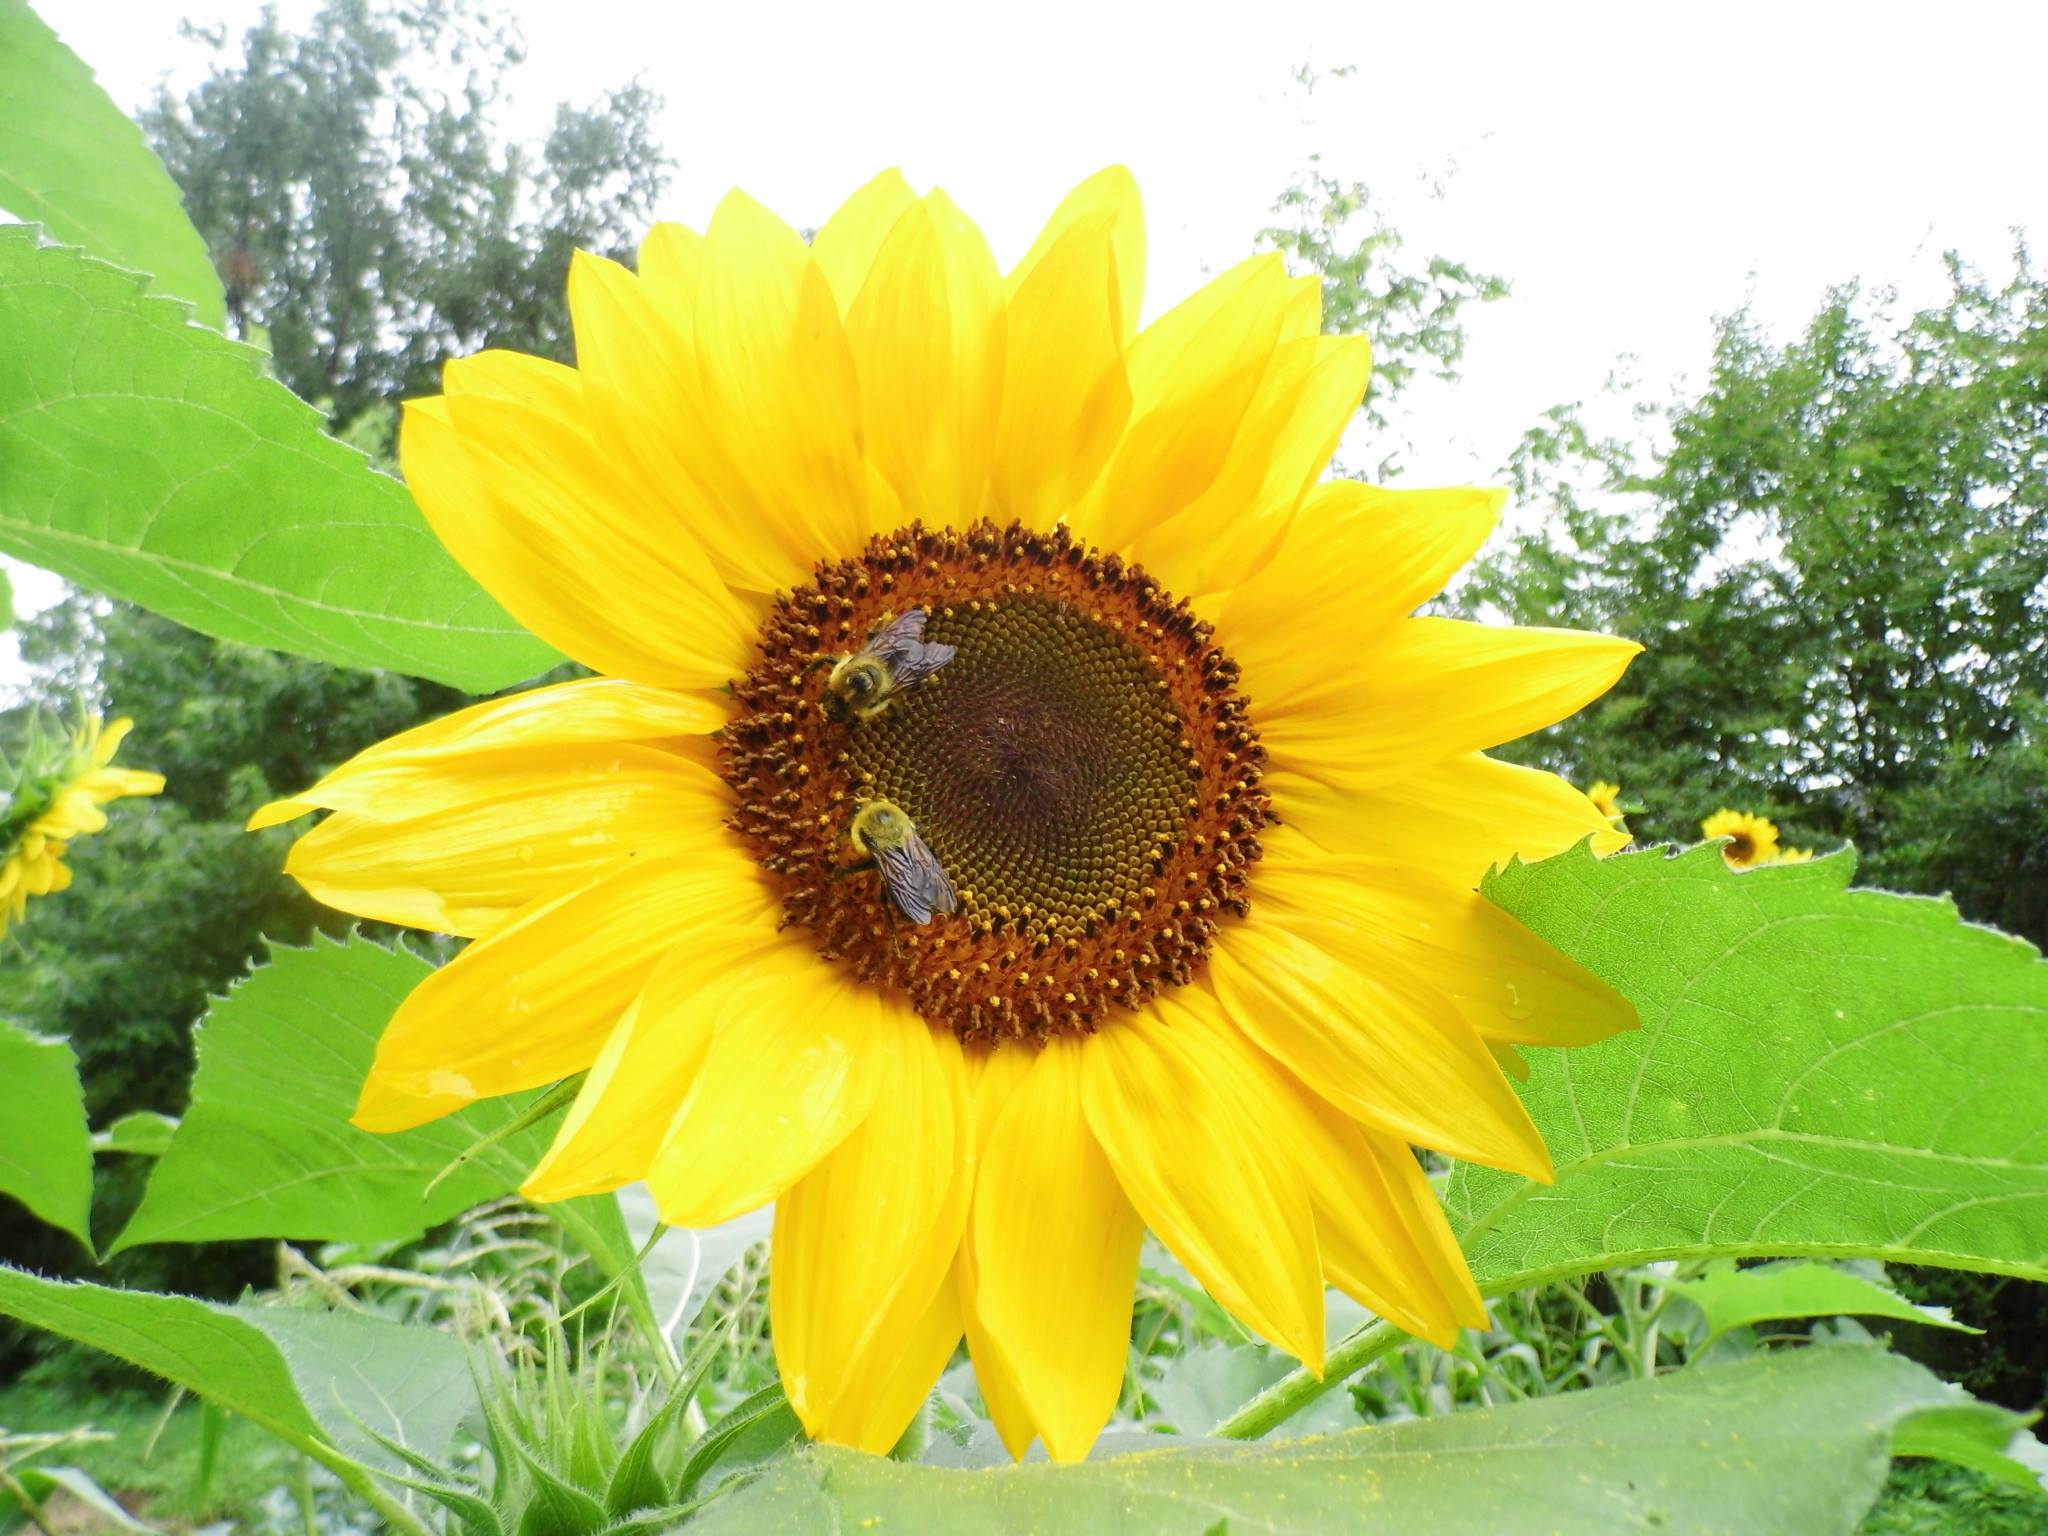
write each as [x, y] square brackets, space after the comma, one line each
[1752, 840]
[58, 789]
[1606, 799]
[1207, 805]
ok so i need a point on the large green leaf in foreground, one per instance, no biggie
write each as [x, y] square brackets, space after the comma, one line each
[149, 459]
[1791, 1442]
[45, 1153]
[1819, 1072]
[321, 1380]
[266, 1150]
[72, 161]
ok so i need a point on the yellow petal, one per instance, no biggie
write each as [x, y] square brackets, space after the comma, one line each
[535, 1001]
[1193, 1122]
[522, 500]
[589, 710]
[1109, 201]
[1429, 1228]
[1510, 985]
[1355, 559]
[671, 262]
[927, 339]
[779, 384]
[846, 247]
[1383, 1049]
[641, 1080]
[1065, 394]
[468, 843]
[1304, 403]
[1056, 1255]
[1429, 689]
[993, 1374]
[1461, 817]
[793, 1067]
[1364, 1226]
[864, 1243]
[1194, 373]
[646, 411]
[900, 1378]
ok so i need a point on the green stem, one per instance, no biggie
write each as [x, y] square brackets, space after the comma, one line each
[358, 1480]
[634, 1285]
[1297, 1389]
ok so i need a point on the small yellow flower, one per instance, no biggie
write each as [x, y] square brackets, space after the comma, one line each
[55, 802]
[1752, 840]
[1606, 798]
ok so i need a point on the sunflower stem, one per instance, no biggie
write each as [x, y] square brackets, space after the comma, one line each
[1297, 1389]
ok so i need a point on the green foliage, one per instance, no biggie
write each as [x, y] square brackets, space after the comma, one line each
[153, 460]
[143, 1134]
[1818, 1071]
[1837, 557]
[367, 213]
[319, 1381]
[1790, 1442]
[152, 1453]
[1731, 1298]
[1933, 1498]
[71, 161]
[1413, 313]
[249, 1160]
[45, 1159]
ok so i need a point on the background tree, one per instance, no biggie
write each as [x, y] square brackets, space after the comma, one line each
[1838, 559]
[365, 210]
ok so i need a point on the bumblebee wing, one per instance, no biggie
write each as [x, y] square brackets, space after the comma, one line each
[927, 657]
[901, 645]
[914, 880]
[899, 639]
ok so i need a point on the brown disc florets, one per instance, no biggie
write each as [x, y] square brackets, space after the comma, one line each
[1082, 768]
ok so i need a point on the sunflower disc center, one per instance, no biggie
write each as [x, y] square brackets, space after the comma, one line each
[1082, 769]
[1042, 764]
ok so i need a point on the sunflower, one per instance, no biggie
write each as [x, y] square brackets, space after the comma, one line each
[1752, 840]
[57, 794]
[1606, 799]
[1208, 806]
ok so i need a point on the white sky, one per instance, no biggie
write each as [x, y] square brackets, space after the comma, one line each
[1633, 169]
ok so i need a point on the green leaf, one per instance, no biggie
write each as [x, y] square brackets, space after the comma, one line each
[6, 601]
[152, 460]
[1974, 1435]
[1820, 1072]
[314, 1378]
[266, 1150]
[1737, 1298]
[144, 1134]
[40, 1482]
[72, 161]
[45, 1154]
[750, 1434]
[1791, 1441]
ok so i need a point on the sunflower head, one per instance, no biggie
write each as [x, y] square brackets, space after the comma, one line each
[1752, 840]
[53, 792]
[1017, 806]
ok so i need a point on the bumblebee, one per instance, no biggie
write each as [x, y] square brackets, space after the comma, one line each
[909, 871]
[896, 659]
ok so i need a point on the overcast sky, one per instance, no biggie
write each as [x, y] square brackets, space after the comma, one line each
[1633, 170]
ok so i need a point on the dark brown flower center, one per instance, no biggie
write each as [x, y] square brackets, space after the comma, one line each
[1082, 769]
